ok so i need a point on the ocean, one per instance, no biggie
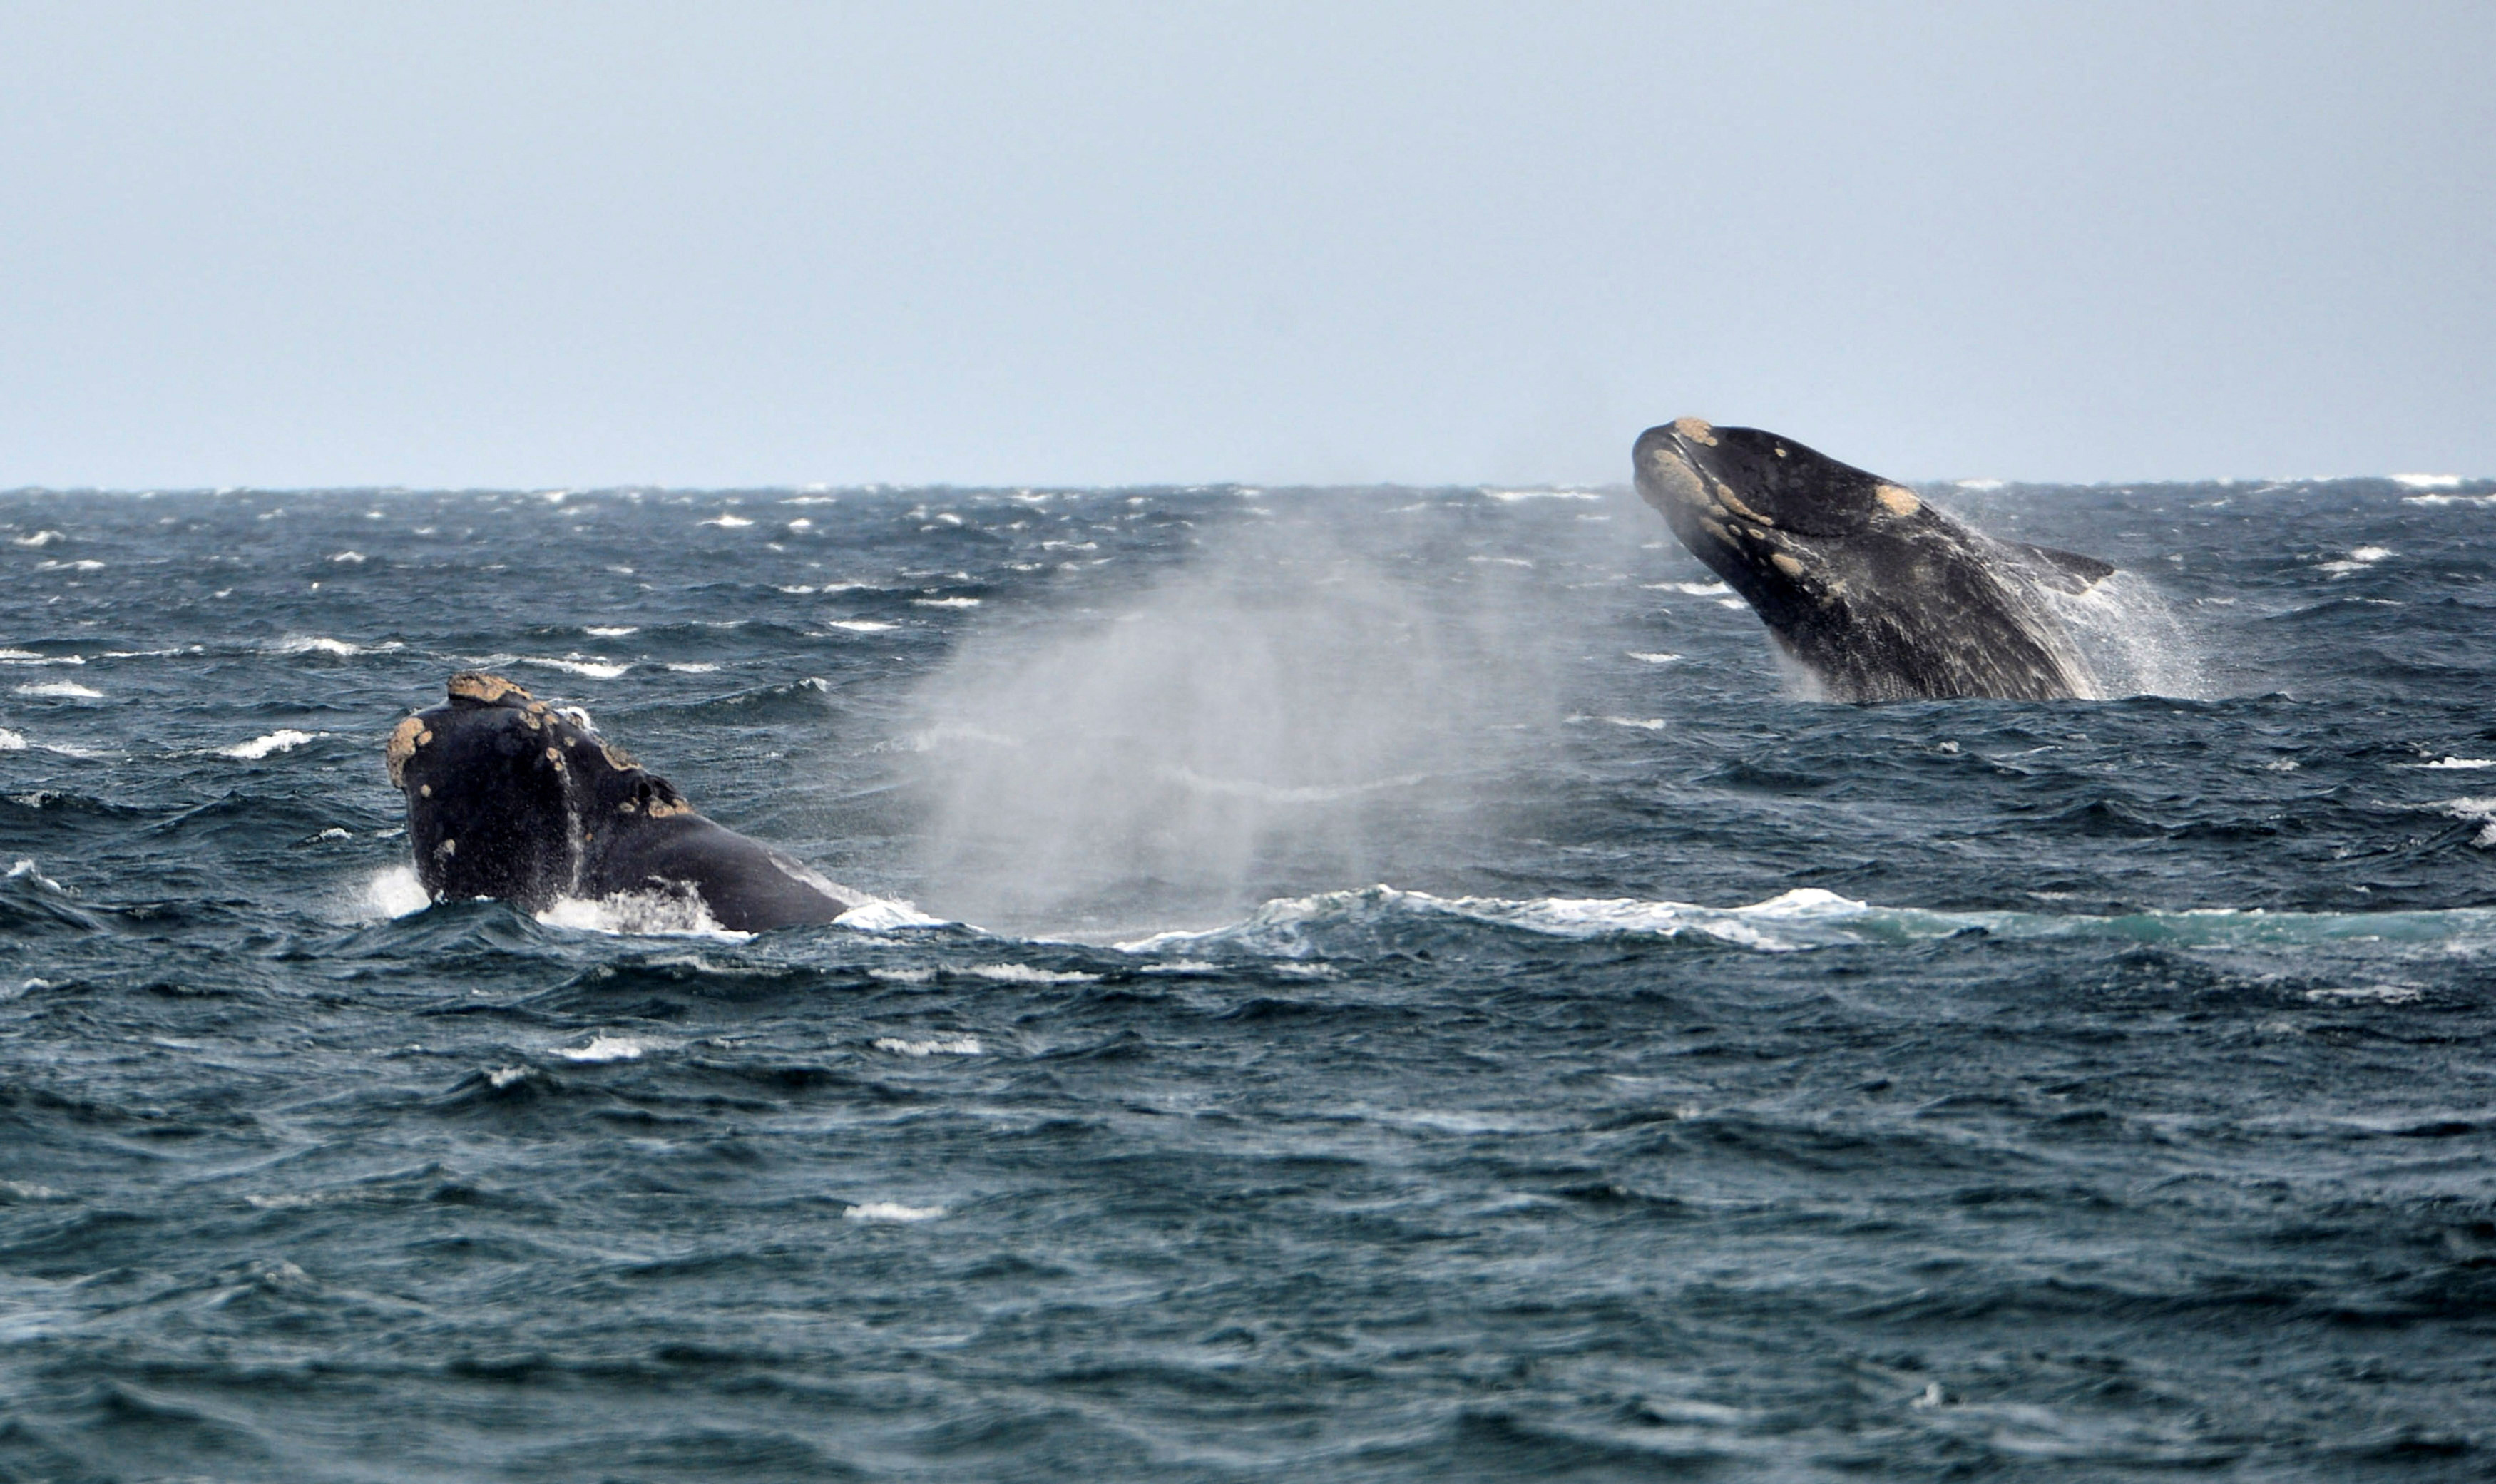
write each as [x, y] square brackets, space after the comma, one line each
[1378, 983]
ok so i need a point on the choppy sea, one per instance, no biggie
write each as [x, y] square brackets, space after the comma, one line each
[1399, 985]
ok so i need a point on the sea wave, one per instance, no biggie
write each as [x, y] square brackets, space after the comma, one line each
[1338, 923]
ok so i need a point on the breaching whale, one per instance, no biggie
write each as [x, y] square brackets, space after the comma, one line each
[1876, 593]
[508, 797]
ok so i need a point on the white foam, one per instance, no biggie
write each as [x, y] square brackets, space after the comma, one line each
[2478, 810]
[603, 1048]
[350, 558]
[727, 522]
[641, 914]
[284, 739]
[25, 870]
[594, 666]
[861, 625]
[2429, 481]
[11, 741]
[1658, 658]
[505, 1076]
[61, 687]
[1734, 603]
[890, 1211]
[692, 668]
[877, 914]
[2371, 994]
[2461, 763]
[1978, 486]
[28, 657]
[2357, 561]
[946, 602]
[1689, 589]
[612, 631]
[83, 563]
[1024, 973]
[40, 538]
[395, 892]
[1490, 561]
[1641, 723]
[960, 1045]
[1512, 496]
[313, 643]
[1809, 918]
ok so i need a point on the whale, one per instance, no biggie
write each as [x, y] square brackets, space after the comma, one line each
[1872, 592]
[510, 798]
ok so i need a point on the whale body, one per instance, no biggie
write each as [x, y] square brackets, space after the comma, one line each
[1874, 592]
[510, 798]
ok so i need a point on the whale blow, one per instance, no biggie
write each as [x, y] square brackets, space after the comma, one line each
[508, 798]
[1876, 594]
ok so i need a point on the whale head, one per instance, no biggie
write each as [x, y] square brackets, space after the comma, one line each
[1874, 592]
[506, 794]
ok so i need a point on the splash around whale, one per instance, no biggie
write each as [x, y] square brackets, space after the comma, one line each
[510, 798]
[1879, 596]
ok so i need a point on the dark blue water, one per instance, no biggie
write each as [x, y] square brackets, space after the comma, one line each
[1719, 1084]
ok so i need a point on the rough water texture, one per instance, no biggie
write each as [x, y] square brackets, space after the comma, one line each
[1720, 1083]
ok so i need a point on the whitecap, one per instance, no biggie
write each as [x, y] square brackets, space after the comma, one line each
[25, 870]
[611, 631]
[946, 603]
[284, 739]
[727, 522]
[1980, 486]
[2370, 994]
[861, 625]
[395, 892]
[880, 914]
[692, 668]
[1735, 604]
[61, 687]
[40, 538]
[83, 563]
[641, 914]
[594, 666]
[11, 741]
[603, 1048]
[1689, 589]
[350, 558]
[891, 1211]
[1492, 561]
[313, 643]
[1658, 658]
[2461, 763]
[1025, 973]
[958, 1045]
[2429, 481]
[1512, 496]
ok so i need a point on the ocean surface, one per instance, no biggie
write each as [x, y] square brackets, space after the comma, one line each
[1395, 983]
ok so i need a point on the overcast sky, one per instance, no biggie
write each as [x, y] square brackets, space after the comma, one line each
[537, 245]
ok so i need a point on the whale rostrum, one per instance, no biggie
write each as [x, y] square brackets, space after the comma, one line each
[512, 798]
[1858, 580]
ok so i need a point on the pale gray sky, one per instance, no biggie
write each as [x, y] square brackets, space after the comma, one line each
[721, 243]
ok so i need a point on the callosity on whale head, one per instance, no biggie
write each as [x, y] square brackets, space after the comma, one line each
[510, 798]
[1876, 593]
